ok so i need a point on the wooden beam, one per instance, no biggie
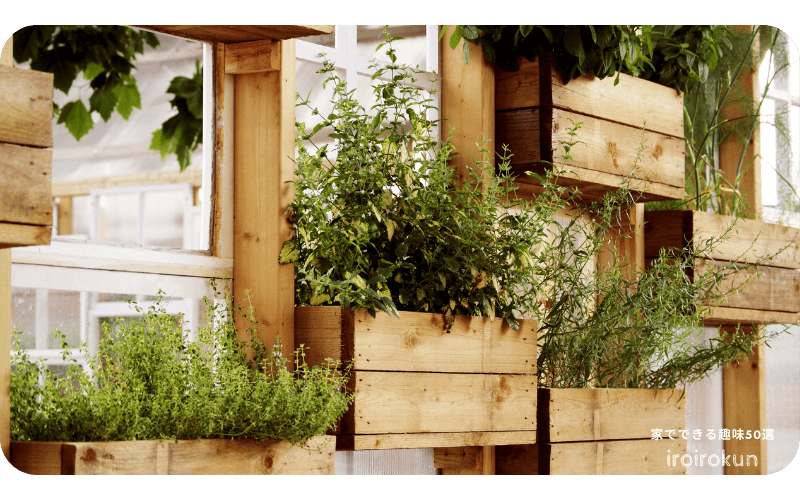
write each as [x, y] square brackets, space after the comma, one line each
[239, 33]
[264, 105]
[467, 104]
[84, 186]
[252, 57]
[26, 107]
[25, 190]
[64, 220]
[5, 317]
[222, 197]
[744, 400]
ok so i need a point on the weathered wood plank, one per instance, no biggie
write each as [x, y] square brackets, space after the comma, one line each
[775, 289]
[593, 458]
[239, 33]
[201, 456]
[748, 242]
[20, 235]
[84, 186]
[598, 414]
[735, 316]
[26, 107]
[5, 313]
[64, 219]
[415, 341]
[392, 402]
[632, 102]
[432, 440]
[25, 191]
[252, 57]
[605, 148]
[460, 457]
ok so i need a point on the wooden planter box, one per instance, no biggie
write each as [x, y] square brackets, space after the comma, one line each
[26, 128]
[534, 109]
[199, 456]
[601, 431]
[773, 297]
[420, 386]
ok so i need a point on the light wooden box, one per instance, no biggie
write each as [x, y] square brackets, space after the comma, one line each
[773, 297]
[534, 109]
[419, 385]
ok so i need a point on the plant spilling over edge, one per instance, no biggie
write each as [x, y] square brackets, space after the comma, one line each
[675, 56]
[147, 381]
[382, 222]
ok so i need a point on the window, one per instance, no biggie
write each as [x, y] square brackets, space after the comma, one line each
[126, 224]
[780, 138]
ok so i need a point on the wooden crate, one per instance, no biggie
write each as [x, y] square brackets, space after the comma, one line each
[199, 456]
[601, 431]
[419, 385]
[26, 128]
[534, 109]
[773, 297]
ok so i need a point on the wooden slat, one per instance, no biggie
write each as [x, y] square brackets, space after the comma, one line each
[36, 458]
[25, 189]
[82, 187]
[239, 33]
[600, 414]
[222, 201]
[776, 289]
[632, 102]
[263, 151]
[251, 57]
[750, 240]
[392, 402]
[432, 440]
[64, 220]
[202, 456]
[416, 342]
[461, 457]
[605, 147]
[26, 107]
[20, 235]
[734, 316]
[634, 457]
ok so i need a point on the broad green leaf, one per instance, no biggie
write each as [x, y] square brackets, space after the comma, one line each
[127, 98]
[103, 100]
[470, 32]
[456, 36]
[92, 70]
[77, 119]
[289, 253]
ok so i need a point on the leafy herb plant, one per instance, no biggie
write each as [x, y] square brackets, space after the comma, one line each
[148, 381]
[381, 222]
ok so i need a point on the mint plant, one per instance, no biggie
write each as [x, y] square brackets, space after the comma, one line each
[148, 381]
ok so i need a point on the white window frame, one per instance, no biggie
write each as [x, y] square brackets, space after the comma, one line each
[92, 267]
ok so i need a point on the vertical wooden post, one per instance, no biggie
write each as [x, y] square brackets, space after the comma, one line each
[744, 383]
[5, 319]
[64, 215]
[264, 104]
[467, 104]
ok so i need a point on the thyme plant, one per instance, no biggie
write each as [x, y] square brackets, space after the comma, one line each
[147, 381]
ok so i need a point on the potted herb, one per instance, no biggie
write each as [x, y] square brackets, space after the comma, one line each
[153, 402]
[382, 226]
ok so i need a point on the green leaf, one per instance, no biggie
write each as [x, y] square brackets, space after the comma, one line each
[470, 32]
[290, 253]
[76, 118]
[103, 100]
[466, 53]
[456, 36]
[127, 98]
[92, 70]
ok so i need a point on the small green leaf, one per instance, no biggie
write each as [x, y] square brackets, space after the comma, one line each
[127, 98]
[76, 118]
[92, 70]
[456, 36]
[290, 253]
[470, 32]
[103, 100]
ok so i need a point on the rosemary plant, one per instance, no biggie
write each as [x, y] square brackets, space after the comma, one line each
[148, 381]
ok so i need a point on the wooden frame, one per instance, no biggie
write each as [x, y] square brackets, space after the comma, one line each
[534, 110]
[419, 385]
[773, 297]
[199, 456]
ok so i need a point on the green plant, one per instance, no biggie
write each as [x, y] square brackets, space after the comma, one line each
[610, 324]
[675, 56]
[148, 381]
[106, 56]
[381, 222]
